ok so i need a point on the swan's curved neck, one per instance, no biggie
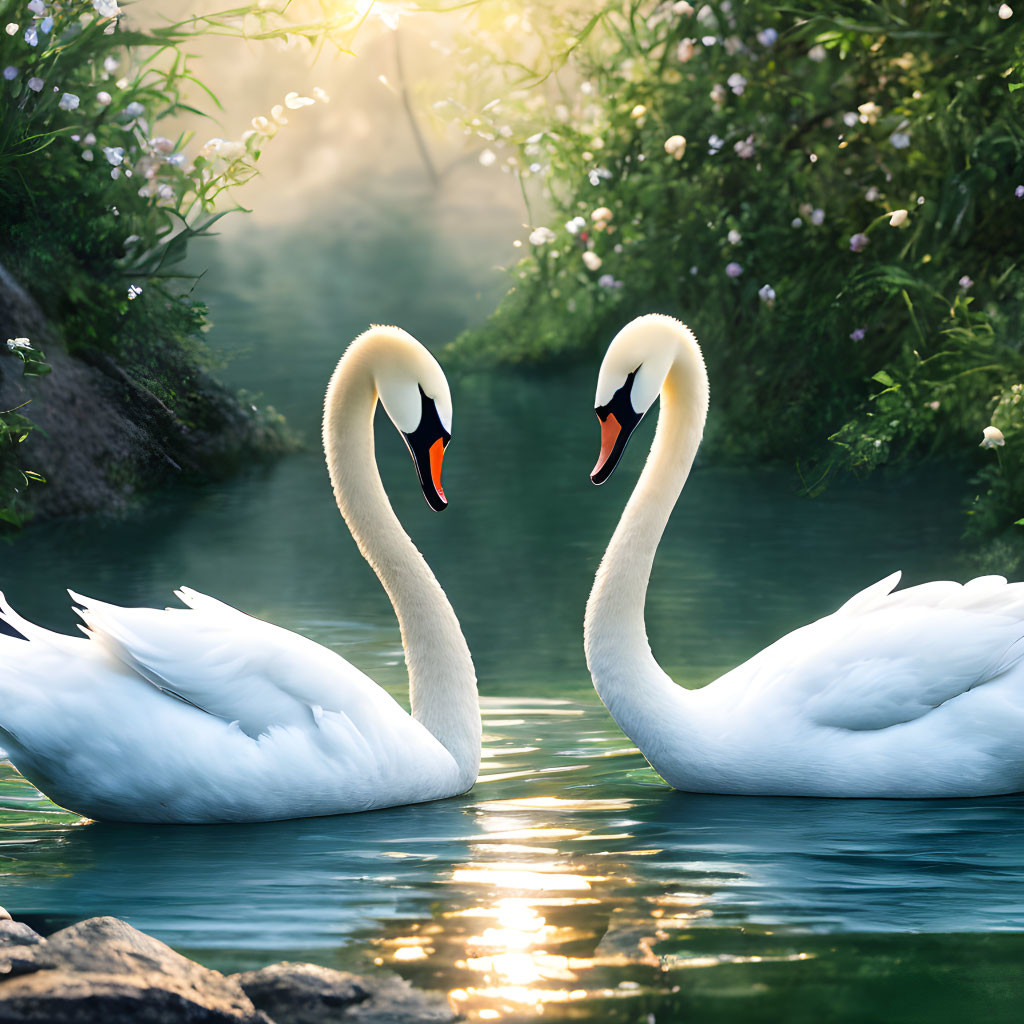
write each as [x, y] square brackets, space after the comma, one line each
[625, 673]
[442, 680]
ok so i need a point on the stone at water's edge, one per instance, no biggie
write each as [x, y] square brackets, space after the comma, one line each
[102, 435]
[104, 971]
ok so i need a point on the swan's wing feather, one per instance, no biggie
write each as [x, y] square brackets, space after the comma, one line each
[234, 666]
[886, 658]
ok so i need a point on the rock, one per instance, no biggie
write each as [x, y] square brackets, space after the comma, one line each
[104, 971]
[102, 435]
[301, 993]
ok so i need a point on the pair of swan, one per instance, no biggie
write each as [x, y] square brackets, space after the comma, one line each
[205, 714]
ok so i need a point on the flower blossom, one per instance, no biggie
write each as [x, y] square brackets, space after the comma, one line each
[817, 216]
[899, 140]
[966, 283]
[898, 218]
[37, 7]
[857, 334]
[32, 36]
[992, 438]
[766, 293]
[737, 83]
[869, 112]
[10, 72]
[1005, 12]
[767, 37]
[576, 225]
[134, 291]
[733, 270]
[541, 236]
[685, 50]
[106, 8]
[1019, 191]
[608, 281]
[114, 155]
[592, 261]
[104, 99]
[46, 25]
[36, 84]
[716, 142]
[744, 149]
[682, 8]
[68, 101]
[859, 242]
[675, 146]
[638, 112]
[15, 343]
[718, 94]
[293, 101]
[817, 53]
[734, 237]
[134, 109]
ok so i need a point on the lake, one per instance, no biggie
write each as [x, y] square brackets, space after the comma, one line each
[570, 882]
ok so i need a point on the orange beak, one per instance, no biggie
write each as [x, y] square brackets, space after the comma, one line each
[610, 430]
[436, 458]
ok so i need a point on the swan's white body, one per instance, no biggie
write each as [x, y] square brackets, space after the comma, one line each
[918, 693]
[206, 714]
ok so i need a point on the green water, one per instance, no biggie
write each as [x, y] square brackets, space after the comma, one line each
[570, 881]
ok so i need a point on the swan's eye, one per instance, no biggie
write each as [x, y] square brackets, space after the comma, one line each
[426, 445]
[618, 421]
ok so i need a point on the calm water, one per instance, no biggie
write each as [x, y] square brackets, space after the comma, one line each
[570, 881]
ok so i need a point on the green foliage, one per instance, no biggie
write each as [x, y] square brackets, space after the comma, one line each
[14, 428]
[827, 197]
[98, 209]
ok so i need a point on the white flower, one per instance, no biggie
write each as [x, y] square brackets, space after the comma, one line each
[733, 269]
[768, 36]
[682, 8]
[487, 158]
[638, 111]
[541, 236]
[10, 72]
[766, 293]
[106, 8]
[965, 282]
[715, 143]
[796, 222]
[734, 237]
[13, 343]
[321, 94]
[744, 148]
[993, 438]
[675, 146]
[737, 83]
[602, 213]
[134, 291]
[293, 101]
[817, 53]
[592, 261]
[608, 281]
[11, 29]
[576, 225]
[104, 99]
[277, 113]
[850, 118]
[1005, 12]
[134, 109]
[37, 7]
[161, 144]
[110, 64]
[114, 155]
[69, 101]
[817, 216]
[685, 50]
[899, 140]
[32, 36]
[898, 217]
[872, 195]
[36, 84]
[718, 94]
[88, 156]
[165, 192]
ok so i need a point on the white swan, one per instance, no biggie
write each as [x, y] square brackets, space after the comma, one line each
[918, 693]
[208, 715]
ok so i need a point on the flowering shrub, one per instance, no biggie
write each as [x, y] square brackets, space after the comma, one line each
[834, 200]
[98, 207]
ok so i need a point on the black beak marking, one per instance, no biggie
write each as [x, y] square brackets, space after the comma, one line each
[421, 444]
[621, 408]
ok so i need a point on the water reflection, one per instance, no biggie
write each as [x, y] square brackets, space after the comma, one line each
[536, 892]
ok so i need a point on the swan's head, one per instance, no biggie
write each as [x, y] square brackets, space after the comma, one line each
[414, 391]
[631, 377]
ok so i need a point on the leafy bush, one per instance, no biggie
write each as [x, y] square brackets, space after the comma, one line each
[834, 200]
[98, 209]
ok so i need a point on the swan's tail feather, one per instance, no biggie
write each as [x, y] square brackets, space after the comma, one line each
[30, 631]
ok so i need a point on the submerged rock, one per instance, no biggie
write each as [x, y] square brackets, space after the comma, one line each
[104, 971]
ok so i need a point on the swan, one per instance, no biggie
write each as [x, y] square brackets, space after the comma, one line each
[914, 693]
[205, 714]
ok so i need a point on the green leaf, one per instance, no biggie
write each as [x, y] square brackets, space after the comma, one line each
[883, 378]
